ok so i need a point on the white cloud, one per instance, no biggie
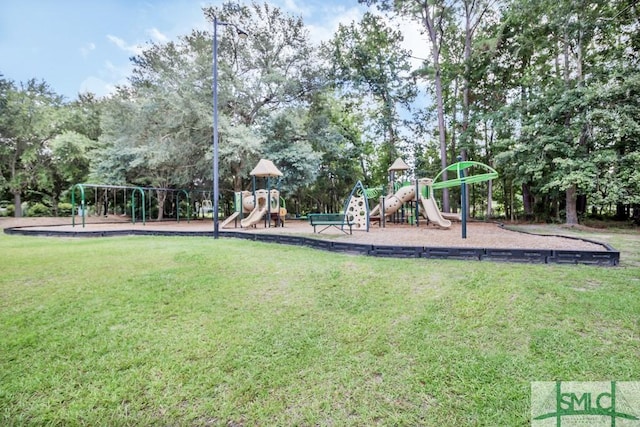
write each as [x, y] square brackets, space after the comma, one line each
[108, 78]
[130, 48]
[96, 86]
[414, 41]
[157, 36]
[87, 48]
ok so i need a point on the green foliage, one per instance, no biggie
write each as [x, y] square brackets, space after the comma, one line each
[628, 176]
[272, 68]
[158, 131]
[64, 209]
[70, 156]
[39, 209]
[5, 208]
[46, 143]
[287, 145]
[335, 130]
[545, 92]
[30, 118]
[566, 124]
[369, 66]
[240, 150]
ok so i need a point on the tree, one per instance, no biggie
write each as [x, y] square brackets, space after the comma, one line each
[474, 12]
[30, 119]
[270, 71]
[6, 86]
[83, 116]
[433, 15]
[151, 138]
[563, 70]
[287, 145]
[575, 97]
[368, 62]
[158, 130]
[272, 68]
[68, 155]
[68, 164]
[335, 129]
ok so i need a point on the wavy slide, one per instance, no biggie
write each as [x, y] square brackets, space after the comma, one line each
[403, 195]
[256, 214]
[395, 202]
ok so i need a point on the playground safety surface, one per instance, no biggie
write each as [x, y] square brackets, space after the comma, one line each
[484, 241]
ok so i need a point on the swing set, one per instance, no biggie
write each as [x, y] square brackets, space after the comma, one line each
[139, 206]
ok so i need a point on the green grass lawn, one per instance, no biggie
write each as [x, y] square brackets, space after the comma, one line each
[195, 331]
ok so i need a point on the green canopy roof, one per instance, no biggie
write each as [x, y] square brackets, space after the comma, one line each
[462, 176]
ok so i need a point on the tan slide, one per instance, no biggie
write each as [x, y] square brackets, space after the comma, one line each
[257, 213]
[433, 213]
[228, 220]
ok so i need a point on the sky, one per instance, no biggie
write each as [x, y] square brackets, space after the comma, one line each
[84, 45]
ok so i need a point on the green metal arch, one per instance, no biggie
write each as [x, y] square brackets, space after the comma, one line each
[373, 192]
[461, 178]
[83, 202]
[73, 204]
[188, 204]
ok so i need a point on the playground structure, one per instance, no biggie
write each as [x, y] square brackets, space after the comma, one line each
[256, 206]
[413, 196]
[168, 203]
[357, 210]
[407, 194]
[251, 207]
[416, 194]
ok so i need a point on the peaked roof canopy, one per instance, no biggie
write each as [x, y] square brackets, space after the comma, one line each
[265, 168]
[398, 165]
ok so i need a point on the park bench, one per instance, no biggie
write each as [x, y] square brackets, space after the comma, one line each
[336, 220]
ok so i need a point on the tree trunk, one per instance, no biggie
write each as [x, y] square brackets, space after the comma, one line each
[581, 204]
[54, 204]
[571, 207]
[454, 120]
[388, 120]
[17, 204]
[363, 167]
[466, 90]
[442, 138]
[162, 197]
[527, 200]
[506, 199]
[436, 43]
[15, 190]
[511, 203]
[236, 170]
[571, 211]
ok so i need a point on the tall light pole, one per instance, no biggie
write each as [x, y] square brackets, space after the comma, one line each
[216, 187]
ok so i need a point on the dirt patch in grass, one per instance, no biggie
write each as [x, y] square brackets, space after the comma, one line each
[479, 234]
